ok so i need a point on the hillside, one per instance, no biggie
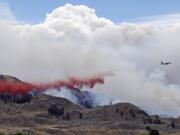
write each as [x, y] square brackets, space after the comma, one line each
[34, 118]
[44, 114]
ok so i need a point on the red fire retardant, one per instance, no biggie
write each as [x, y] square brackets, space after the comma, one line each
[73, 82]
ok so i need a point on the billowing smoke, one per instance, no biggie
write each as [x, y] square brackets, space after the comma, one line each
[73, 41]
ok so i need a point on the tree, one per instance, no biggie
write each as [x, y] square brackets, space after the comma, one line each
[172, 124]
[117, 110]
[80, 116]
[67, 117]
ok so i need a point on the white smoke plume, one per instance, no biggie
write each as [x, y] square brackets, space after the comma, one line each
[74, 41]
[62, 93]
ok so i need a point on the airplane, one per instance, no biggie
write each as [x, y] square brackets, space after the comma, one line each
[165, 63]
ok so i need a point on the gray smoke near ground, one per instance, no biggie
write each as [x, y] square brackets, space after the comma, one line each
[74, 41]
[62, 93]
[85, 98]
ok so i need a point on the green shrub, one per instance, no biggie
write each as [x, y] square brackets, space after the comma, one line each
[2, 133]
[19, 133]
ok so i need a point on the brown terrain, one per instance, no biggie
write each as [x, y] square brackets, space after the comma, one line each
[47, 115]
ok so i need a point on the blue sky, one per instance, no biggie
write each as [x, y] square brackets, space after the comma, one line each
[115, 10]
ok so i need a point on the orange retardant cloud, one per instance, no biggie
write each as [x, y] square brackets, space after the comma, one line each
[72, 82]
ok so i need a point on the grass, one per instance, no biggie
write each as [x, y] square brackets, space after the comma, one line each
[20, 133]
[17, 133]
[143, 134]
